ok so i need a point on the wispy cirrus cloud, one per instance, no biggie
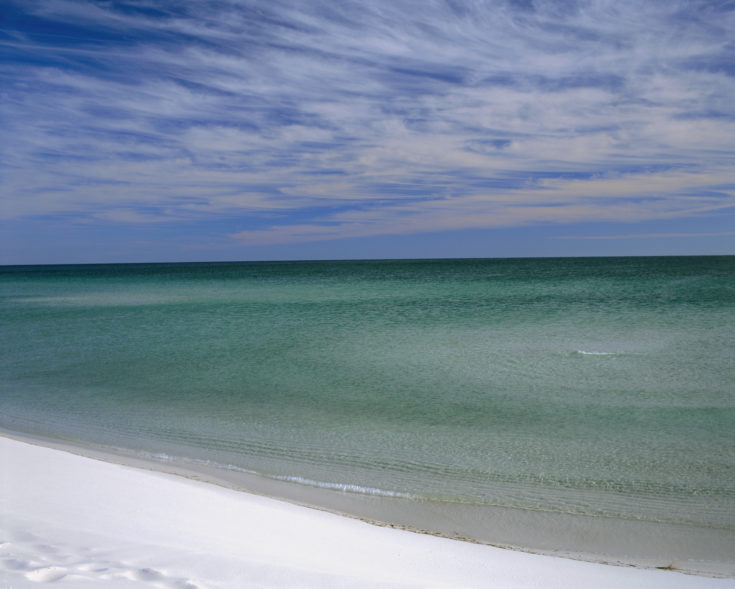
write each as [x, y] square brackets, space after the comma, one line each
[649, 235]
[321, 120]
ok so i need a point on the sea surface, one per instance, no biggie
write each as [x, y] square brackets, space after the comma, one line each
[595, 388]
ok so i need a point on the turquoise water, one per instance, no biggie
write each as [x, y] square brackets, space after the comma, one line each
[601, 387]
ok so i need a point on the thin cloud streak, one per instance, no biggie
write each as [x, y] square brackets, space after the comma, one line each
[647, 235]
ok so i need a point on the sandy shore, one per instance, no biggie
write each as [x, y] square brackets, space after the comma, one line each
[79, 522]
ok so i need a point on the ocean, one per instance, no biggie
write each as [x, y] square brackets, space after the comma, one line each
[571, 405]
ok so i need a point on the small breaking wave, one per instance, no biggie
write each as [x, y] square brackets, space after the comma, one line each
[586, 353]
[343, 487]
[163, 457]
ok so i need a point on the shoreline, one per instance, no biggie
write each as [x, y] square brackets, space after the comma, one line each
[605, 540]
[91, 463]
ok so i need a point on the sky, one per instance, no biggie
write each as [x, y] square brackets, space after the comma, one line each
[154, 130]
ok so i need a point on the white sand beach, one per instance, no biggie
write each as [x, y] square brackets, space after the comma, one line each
[78, 522]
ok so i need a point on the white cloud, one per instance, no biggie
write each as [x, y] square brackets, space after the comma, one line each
[373, 118]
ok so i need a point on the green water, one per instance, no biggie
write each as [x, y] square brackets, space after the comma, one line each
[602, 387]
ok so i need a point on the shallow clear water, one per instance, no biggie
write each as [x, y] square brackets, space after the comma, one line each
[581, 386]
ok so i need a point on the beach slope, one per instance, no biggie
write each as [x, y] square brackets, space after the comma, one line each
[78, 522]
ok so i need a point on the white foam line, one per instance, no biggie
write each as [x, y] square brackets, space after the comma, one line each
[344, 487]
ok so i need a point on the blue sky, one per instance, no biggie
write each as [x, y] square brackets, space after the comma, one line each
[148, 130]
